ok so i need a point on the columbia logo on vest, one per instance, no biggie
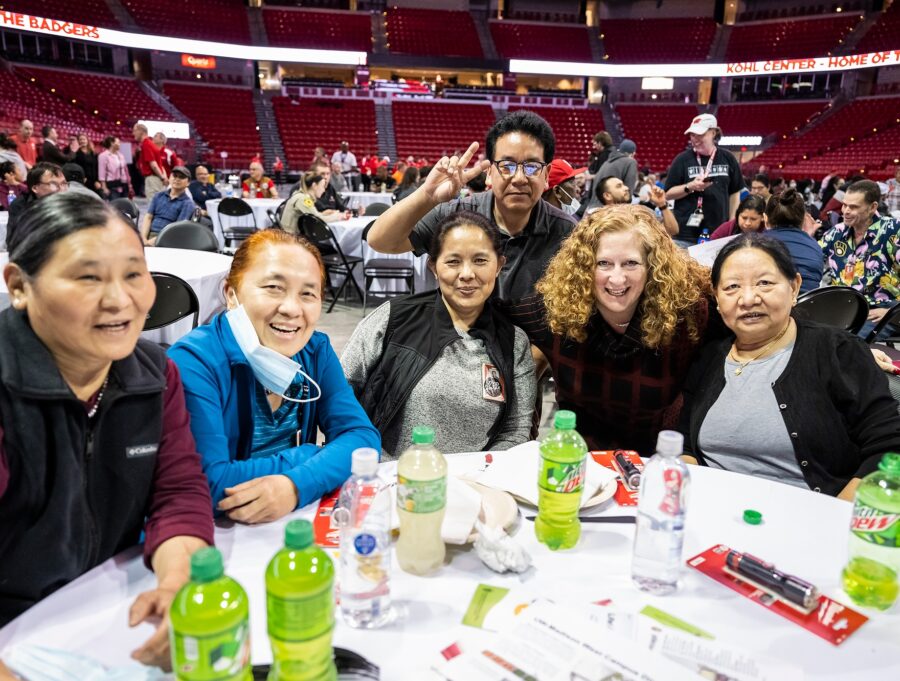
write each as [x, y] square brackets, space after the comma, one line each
[141, 450]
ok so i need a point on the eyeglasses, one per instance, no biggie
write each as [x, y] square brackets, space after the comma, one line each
[56, 186]
[510, 168]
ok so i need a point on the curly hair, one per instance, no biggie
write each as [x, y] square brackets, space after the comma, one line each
[675, 282]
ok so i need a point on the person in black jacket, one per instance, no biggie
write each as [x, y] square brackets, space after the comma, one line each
[784, 398]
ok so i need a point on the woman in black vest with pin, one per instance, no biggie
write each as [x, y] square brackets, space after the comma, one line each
[447, 359]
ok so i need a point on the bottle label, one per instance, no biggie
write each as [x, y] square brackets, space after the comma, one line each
[562, 478]
[364, 543]
[874, 526]
[215, 657]
[300, 618]
[421, 496]
[671, 501]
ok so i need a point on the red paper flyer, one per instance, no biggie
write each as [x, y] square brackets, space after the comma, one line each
[828, 619]
[327, 534]
[623, 496]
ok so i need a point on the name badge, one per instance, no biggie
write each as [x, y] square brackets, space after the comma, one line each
[695, 219]
[138, 451]
[492, 387]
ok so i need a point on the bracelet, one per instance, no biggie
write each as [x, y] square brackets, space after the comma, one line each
[688, 190]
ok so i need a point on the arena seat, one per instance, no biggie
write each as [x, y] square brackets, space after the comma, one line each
[767, 118]
[434, 128]
[789, 39]
[224, 117]
[426, 31]
[319, 30]
[309, 122]
[657, 130]
[647, 41]
[884, 34]
[220, 20]
[541, 41]
[574, 129]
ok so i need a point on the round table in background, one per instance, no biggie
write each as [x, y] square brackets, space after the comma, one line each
[203, 271]
[260, 212]
[803, 533]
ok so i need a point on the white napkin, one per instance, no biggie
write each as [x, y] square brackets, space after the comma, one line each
[460, 514]
[40, 663]
[516, 471]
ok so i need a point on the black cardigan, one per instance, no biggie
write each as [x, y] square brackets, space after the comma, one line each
[833, 397]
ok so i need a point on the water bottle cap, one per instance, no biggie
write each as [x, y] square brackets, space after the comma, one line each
[423, 435]
[752, 517]
[890, 463]
[206, 565]
[565, 420]
[364, 462]
[298, 534]
[670, 442]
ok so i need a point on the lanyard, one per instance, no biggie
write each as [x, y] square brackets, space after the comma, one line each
[708, 170]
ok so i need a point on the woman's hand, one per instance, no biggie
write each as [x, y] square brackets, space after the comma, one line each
[6, 675]
[260, 500]
[849, 492]
[153, 605]
[884, 362]
[687, 458]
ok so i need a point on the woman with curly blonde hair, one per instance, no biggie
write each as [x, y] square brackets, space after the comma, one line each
[620, 315]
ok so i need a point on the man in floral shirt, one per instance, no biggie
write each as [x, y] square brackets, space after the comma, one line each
[862, 251]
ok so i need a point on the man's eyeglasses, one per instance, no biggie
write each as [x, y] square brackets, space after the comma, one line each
[56, 186]
[510, 168]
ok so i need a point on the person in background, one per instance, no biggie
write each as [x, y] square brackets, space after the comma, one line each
[337, 181]
[25, 146]
[348, 168]
[168, 207]
[602, 148]
[278, 170]
[168, 158]
[304, 200]
[622, 164]
[44, 179]
[783, 398]
[50, 151]
[202, 189]
[562, 191]
[381, 181]
[149, 163]
[750, 217]
[759, 186]
[619, 316]
[74, 175]
[86, 157]
[331, 201]
[429, 358]
[10, 187]
[705, 182]
[612, 191]
[863, 252]
[789, 222]
[399, 170]
[112, 171]
[8, 153]
[113, 463]
[258, 186]
[409, 184]
[261, 383]
[892, 196]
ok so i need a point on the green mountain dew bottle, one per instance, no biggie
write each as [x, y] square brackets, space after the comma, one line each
[300, 608]
[560, 482]
[870, 577]
[210, 631]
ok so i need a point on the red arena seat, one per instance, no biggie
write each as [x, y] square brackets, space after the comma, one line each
[421, 31]
[657, 130]
[573, 127]
[645, 41]
[319, 30]
[515, 40]
[433, 128]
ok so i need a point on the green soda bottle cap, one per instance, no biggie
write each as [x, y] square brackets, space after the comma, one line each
[423, 435]
[890, 463]
[752, 517]
[206, 565]
[565, 420]
[298, 534]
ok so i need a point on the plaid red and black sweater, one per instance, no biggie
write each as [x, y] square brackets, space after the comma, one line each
[622, 392]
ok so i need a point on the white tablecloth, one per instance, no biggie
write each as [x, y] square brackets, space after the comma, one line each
[349, 236]
[802, 533]
[204, 271]
[259, 206]
[357, 199]
[4, 218]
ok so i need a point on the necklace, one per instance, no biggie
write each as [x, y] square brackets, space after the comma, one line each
[743, 365]
[622, 326]
[93, 410]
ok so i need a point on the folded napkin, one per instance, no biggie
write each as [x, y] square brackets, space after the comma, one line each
[460, 514]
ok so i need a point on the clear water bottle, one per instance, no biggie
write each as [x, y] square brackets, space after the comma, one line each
[364, 517]
[11, 197]
[659, 535]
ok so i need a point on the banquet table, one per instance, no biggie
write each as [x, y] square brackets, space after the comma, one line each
[259, 206]
[203, 271]
[802, 533]
[363, 199]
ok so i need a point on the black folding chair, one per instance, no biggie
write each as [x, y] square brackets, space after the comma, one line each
[318, 232]
[376, 209]
[275, 214]
[839, 306]
[886, 330]
[128, 209]
[187, 234]
[175, 300]
[386, 268]
[234, 208]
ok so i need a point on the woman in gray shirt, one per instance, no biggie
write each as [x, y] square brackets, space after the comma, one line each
[447, 359]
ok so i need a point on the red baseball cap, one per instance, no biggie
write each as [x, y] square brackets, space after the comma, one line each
[560, 171]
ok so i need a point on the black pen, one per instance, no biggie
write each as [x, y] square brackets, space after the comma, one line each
[786, 586]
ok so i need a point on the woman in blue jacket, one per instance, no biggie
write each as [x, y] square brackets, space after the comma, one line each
[260, 381]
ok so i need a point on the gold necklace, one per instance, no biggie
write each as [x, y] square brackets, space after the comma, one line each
[743, 365]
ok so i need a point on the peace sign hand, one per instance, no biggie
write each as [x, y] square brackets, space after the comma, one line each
[449, 175]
